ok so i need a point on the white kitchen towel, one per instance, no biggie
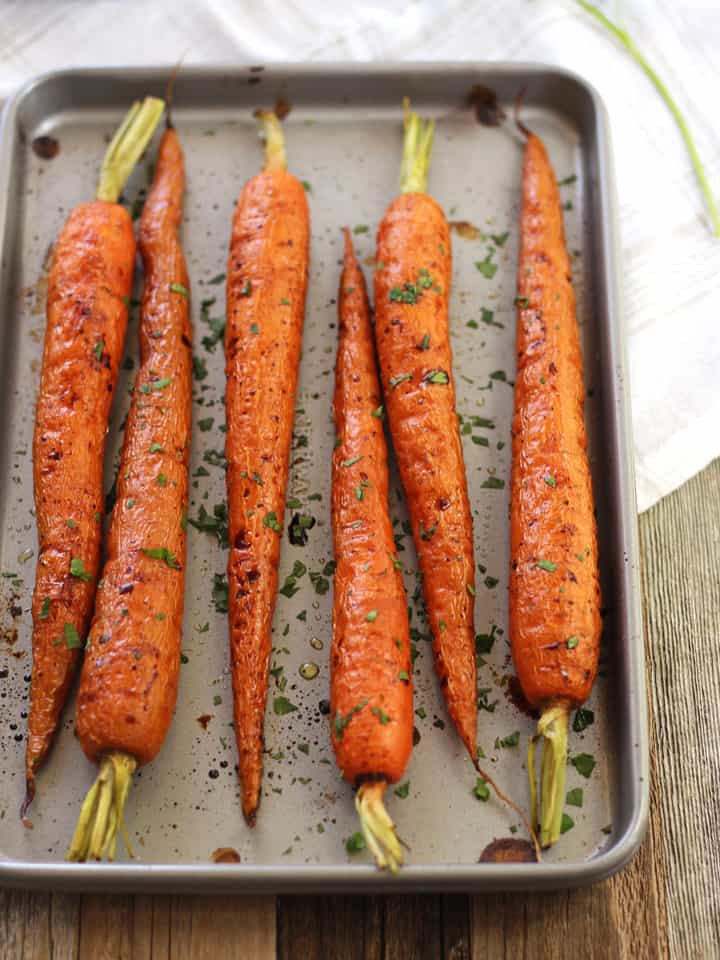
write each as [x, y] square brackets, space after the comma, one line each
[670, 261]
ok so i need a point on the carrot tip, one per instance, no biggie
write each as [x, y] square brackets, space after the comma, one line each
[29, 797]
[377, 827]
[529, 825]
[101, 815]
[553, 729]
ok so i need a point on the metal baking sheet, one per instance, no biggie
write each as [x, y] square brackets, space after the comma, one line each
[344, 140]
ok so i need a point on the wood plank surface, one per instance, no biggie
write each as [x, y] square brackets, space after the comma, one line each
[665, 904]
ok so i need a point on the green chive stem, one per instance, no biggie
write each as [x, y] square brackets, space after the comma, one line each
[101, 815]
[417, 145]
[271, 131]
[626, 40]
[127, 146]
[552, 728]
[377, 827]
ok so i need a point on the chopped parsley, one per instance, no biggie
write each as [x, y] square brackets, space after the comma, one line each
[403, 790]
[156, 385]
[427, 534]
[206, 424]
[572, 642]
[199, 368]
[355, 843]
[72, 637]
[584, 763]
[162, 553]
[547, 565]
[567, 823]
[98, 351]
[382, 717]
[511, 740]
[408, 293]
[436, 376]
[220, 592]
[179, 288]
[45, 609]
[77, 569]
[350, 462]
[298, 529]
[247, 289]
[481, 790]
[271, 520]
[400, 378]
[281, 706]
[583, 718]
[156, 448]
[574, 797]
[378, 412]
[522, 302]
[425, 342]
[493, 483]
[550, 481]
[361, 228]
[486, 267]
[340, 722]
[403, 675]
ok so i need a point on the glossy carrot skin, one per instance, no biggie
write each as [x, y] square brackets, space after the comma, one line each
[554, 584]
[413, 341]
[266, 285]
[88, 289]
[371, 672]
[129, 679]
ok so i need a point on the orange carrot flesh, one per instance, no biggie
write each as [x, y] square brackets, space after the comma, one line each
[371, 686]
[266, 286]
[370, 660]
[412, 287]
[88, 292]
[129, 678]
[554, 583]
[87, 307]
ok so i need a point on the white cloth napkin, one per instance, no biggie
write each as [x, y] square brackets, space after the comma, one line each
[671, 262]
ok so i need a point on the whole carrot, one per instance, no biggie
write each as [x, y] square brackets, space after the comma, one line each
[554, 585]
[87, 304]
[412, 288]
[266, 284]
[129, 678]
[371, 683]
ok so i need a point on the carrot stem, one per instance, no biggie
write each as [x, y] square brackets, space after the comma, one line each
[101, 815]
[271, 131]
[670, 103]
[417, 145]
[377, 827]
[553, 729]
[126, 147]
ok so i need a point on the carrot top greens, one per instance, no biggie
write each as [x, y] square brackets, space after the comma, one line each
[624, 38]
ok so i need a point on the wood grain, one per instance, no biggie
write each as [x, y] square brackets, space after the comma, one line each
[665, 904]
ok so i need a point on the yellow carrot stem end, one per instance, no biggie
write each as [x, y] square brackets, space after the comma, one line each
[377, 827]
[552, 728]
[101, 815]
[417, 146]
[127, 146]
[271, 132]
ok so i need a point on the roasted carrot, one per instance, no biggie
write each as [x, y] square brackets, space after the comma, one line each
[554, 585]
[129, 679]
[266, 284]
[87, 304]
[371, 672]
[412, 288]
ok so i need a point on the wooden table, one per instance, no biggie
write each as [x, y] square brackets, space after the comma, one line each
[666, 903]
